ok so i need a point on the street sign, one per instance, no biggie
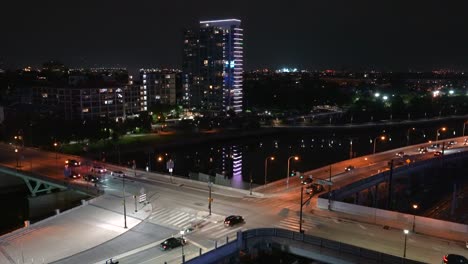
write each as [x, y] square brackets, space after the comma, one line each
[324, 182]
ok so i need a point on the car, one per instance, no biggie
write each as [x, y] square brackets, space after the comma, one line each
[117, 173]
[172, 242]
[437, 153]
[435, 146]
[72, 163]
[466, 142]
[452, 142]
[422, 150]
[314, 188]
[92, 178]
[454, 259]
[75, 175]
[400, 154]
[306, 181]
[349, 168]
[233, 220]
[98, 169]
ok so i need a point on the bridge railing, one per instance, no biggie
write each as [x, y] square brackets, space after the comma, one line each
[289, 241]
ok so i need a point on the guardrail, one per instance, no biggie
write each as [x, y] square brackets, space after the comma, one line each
[339, 250]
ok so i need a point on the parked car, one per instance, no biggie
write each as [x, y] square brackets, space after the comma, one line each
[400, 154]
[233, 220]
[437, 153]
[72, 163]
[349, 168]
[172, 242]
[98, 169]
[454, 259]
[314, 188]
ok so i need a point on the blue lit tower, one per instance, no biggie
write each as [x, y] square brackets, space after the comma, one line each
[217, 82]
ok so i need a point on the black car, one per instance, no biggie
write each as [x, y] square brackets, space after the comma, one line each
[314, 188]
[72, 163]
[454, 259]
[172, 242]
[349, 168]
[233, 220]
[91, 178]
[306, 181]
[75, 175]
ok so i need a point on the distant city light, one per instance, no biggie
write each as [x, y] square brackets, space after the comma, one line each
[377, 94]
[435, 93]
[283, 70]
[385, 97]
[451, 92]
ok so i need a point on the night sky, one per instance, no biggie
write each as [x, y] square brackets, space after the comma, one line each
[340, 34]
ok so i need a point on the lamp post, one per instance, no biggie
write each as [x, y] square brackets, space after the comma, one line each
[464, 124]
[302, 204]
[55, 147]
[350, 148]
[123, 197]
[209, 197]
[289, 161]
[16, 151]
[375, 141]
[266, 163]
[437, 132]
[415, 207]
[406, 232]
[408, 134]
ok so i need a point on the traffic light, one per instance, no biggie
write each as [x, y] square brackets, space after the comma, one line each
[292, 173]
[302, 176]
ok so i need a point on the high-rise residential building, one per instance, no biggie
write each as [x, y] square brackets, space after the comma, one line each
[160, 85]
[213, 66]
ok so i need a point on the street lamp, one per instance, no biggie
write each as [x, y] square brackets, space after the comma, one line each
[408, 134]
[302, 204]
[16, 151]
[266, 163]
[375, 141]
[464, 124]
[209, 197]
[415, 207]
[289, 161]
[406, 232]
[123, 196]
[55, 147]
[437, 133]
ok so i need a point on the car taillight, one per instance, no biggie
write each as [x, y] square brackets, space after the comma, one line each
[445, 259]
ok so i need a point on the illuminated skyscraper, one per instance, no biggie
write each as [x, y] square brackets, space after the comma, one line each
[214, 66]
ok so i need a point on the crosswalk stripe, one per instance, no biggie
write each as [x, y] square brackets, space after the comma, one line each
[182, 220]
[174, 216]
[224, 232]
[159, 212]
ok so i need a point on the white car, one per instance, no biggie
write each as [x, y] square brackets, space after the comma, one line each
[117, 173]
[98, 169]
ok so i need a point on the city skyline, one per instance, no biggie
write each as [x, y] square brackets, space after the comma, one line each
[337, 34]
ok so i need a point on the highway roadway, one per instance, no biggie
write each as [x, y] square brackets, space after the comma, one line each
[178, 205]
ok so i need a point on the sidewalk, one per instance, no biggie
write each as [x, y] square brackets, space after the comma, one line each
[76, 230]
